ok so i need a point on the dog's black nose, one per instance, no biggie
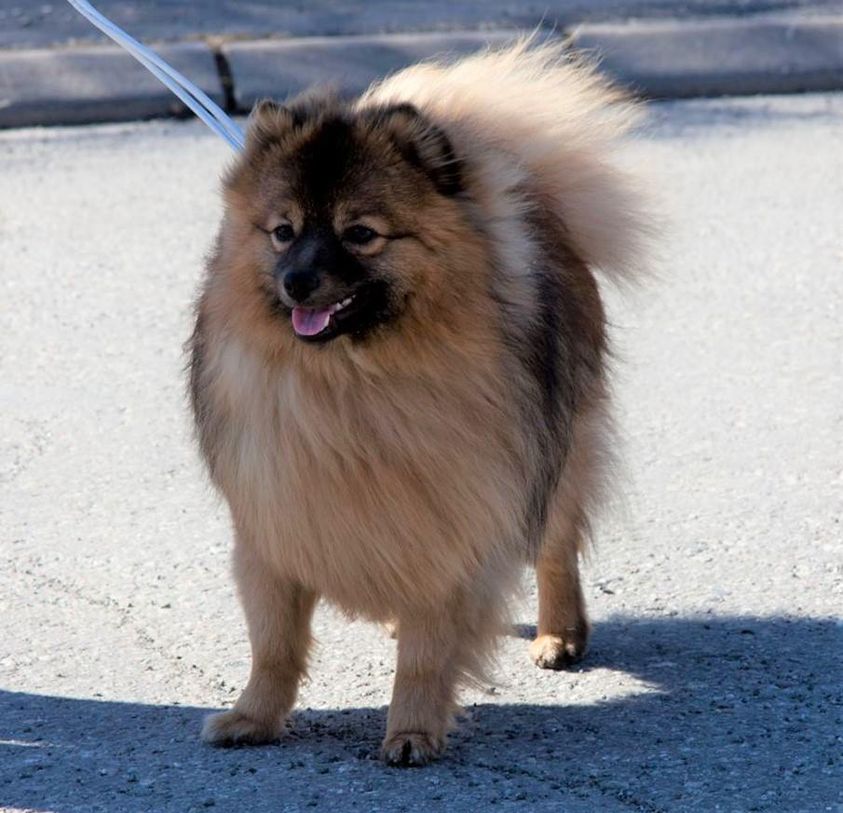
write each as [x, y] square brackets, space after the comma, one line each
[299, 285]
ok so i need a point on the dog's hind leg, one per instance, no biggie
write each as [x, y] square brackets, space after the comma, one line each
[278, 612]
[563, 628]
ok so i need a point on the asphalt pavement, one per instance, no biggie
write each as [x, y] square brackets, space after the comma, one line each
[50, 23]
[56, 68]
[715, 678]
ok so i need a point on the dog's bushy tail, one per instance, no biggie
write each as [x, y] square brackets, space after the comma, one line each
[558, 121]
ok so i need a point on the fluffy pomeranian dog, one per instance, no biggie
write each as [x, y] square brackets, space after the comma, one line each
[398, 369]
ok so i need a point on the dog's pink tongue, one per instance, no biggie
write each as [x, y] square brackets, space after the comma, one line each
[310, 321]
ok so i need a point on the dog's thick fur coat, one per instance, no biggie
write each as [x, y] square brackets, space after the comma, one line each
[407, 472]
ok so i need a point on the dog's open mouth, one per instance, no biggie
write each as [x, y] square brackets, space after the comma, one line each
[309, 322]
[355, 315]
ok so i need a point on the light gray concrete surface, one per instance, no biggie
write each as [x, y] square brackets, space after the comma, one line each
[714, 680]
[280, 68]
[715, 57]
[80, 85]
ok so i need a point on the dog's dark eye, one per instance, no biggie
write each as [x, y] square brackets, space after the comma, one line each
[359, 235]
[283, 233]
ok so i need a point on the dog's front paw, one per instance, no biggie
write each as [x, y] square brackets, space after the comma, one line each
[235, 728]
[411, 749]
[557, 652]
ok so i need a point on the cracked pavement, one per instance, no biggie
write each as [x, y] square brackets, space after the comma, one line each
[715, 678]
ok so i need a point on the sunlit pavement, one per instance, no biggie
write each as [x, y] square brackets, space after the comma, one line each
[714, 679]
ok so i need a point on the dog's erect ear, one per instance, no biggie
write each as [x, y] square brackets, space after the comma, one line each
[267, 121]
[422, 144]
[270, 120]
[264, 108]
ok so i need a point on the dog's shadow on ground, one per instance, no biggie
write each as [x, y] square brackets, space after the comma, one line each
[742, 713]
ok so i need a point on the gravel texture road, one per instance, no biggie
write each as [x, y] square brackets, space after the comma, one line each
[715, 679]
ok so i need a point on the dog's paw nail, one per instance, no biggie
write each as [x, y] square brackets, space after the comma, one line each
[235, 728]
[556, 652]
[411, 749]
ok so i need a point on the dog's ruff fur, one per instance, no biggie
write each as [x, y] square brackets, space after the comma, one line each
[409, 475]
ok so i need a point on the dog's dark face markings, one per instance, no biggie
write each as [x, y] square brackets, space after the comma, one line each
[338, 198]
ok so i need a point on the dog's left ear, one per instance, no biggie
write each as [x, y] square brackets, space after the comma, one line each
[422, 144]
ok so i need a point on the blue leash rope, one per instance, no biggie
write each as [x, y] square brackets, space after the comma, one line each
[196, 99]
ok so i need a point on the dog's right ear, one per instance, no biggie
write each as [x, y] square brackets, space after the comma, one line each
[270, 121]
[267, 122]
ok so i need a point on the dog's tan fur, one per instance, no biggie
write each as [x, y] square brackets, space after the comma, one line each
[393, 476]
